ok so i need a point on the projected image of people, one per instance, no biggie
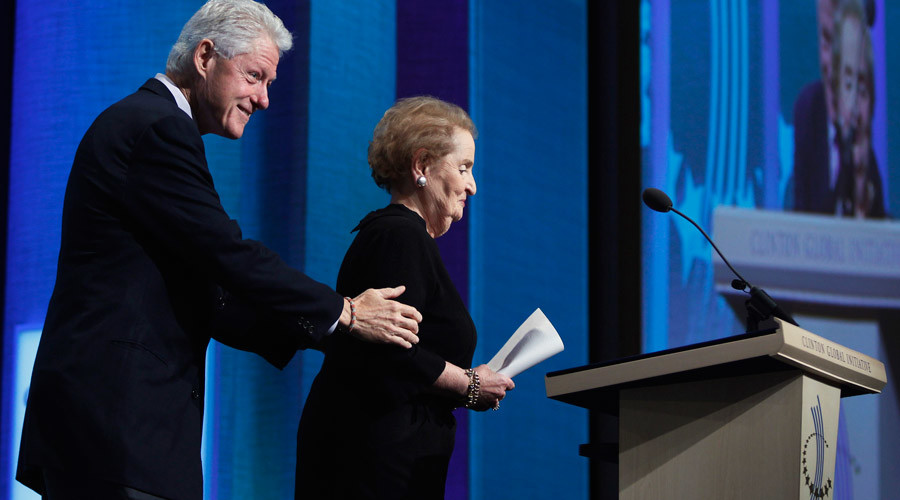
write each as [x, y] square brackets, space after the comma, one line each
[858, 187]
[835, 168]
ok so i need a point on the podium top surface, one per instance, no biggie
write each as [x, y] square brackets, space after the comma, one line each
[784, 347]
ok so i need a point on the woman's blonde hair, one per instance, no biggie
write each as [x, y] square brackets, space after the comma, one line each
[413, 124]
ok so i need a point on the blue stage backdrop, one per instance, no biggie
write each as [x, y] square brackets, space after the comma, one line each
[298, 181]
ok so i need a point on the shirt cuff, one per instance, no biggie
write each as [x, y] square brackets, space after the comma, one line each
[333, 327]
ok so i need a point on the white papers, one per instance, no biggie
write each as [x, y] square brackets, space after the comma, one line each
[533, 342]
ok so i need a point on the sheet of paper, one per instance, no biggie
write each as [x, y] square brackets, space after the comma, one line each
[533, 342]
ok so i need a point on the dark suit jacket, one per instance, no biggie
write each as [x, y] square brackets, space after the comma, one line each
[812, 167]
[147, 252]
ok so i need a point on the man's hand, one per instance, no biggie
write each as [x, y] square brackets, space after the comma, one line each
[381, 320]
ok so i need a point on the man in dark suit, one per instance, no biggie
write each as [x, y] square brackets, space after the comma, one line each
[151, 267]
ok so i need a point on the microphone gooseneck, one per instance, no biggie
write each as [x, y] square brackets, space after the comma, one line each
[657, 200]
[760, 305]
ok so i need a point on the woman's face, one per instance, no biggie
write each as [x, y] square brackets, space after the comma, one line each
[450, 182]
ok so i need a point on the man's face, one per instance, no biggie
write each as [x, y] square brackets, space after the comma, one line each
[230, 90]
[864, 104]
[850, 70]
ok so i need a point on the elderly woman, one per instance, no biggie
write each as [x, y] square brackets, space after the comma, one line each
[378, 421]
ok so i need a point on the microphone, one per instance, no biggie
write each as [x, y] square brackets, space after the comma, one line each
[760, 306]
[657, 200]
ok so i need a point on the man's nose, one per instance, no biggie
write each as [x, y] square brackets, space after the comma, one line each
[261, 98]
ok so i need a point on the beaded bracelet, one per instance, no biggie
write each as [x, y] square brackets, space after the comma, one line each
[352, 315]
[474, 389]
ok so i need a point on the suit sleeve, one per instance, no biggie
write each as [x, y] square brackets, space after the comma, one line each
[247, 327]
[169, 193]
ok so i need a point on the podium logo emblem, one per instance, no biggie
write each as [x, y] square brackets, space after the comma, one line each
[813, 458]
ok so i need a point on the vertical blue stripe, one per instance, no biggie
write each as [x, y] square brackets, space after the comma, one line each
[477, 247]
[727, 172]
[655, 229]
[773, 171]
[715, 121]
[719, 72]
[880, 122]
[352, 82]
[528, 98]
[743, 81]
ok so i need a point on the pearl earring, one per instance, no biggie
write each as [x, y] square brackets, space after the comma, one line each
[421, 181]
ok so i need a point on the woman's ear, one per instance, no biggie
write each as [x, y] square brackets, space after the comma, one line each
[419, 163]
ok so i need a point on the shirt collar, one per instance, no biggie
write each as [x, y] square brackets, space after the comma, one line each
[176, 93]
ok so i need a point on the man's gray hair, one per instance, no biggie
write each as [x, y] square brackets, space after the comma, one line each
[234, 26]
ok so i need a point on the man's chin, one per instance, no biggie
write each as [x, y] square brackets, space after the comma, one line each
[232, 133]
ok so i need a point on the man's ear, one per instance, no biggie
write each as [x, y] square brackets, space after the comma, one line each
[203, 57]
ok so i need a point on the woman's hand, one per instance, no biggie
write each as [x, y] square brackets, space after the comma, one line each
[454, 381]
[493, 388]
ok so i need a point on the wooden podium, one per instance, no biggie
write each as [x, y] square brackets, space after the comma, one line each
[747, 417]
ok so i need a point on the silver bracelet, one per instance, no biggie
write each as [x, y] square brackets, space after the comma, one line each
[474, 389]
